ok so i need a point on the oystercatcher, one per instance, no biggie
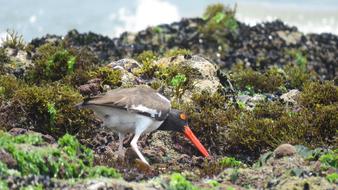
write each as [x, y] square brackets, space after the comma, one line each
[139, 110]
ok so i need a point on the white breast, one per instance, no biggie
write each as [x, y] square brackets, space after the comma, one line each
[125, 122]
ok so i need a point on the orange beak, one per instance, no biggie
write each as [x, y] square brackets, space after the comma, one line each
[191, 136]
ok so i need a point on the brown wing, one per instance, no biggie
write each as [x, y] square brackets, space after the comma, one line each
[141, 99]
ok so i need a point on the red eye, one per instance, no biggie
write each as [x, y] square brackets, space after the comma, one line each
[183, 116]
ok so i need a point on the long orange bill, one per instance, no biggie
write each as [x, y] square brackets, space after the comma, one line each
[191, 136]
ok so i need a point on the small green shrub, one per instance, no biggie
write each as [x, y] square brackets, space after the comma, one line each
[178, 182]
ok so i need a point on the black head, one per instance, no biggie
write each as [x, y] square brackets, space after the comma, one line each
[175, 121]
[178, 121]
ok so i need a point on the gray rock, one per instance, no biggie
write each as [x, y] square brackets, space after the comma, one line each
[291, 96]
[124, 64]
[284, 150]
[290, 38]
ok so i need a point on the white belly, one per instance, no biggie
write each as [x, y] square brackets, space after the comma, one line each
[125, 122]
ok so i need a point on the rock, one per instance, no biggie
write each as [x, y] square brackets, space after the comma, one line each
[291, 96]
[290, 38]
[91, 88]
[17, 131]
[125, 64]
[284, 150]
[305, 184]
[7, 159]
[206, 69]
[19, 62]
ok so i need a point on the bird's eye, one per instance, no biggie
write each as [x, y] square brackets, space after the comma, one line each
[183, 116]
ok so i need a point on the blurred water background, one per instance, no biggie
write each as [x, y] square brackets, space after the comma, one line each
[35, 18]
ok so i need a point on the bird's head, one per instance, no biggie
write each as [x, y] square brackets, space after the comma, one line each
[178, 121]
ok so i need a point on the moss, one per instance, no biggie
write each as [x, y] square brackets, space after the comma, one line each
[47, 109]
[53, 62]
[68, 160]
[272, 123]
[176, 52]
[296, 76]
[246, 79]
[148, 67]
[108, 76]
[209, 118]
[180, 77]
[9, 85]
[4, 59]
[317, 93]
[178, 182]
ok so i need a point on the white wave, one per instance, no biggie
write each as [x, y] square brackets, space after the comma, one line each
[147, 13]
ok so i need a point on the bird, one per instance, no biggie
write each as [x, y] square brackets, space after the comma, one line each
[139, 110]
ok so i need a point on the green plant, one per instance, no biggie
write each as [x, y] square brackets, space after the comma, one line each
[213, 183]
[108, 76]
[221, 15]
[103, 171]
[176, 52]
[178, 182]
[13, 40]
[332, 178]
[3, 185]
[69, 159]
[177, 82]
[148, 67]
[32, 187]
[230, 162]
[47, 109]
[248, 80]
[52, 112]
[330, 159]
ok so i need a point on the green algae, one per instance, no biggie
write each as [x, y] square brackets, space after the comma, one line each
[69, 159]
[179, 182]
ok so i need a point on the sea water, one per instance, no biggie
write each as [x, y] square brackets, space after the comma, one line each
[35, 18]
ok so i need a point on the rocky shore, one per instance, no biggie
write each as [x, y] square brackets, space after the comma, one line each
[262, 99]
